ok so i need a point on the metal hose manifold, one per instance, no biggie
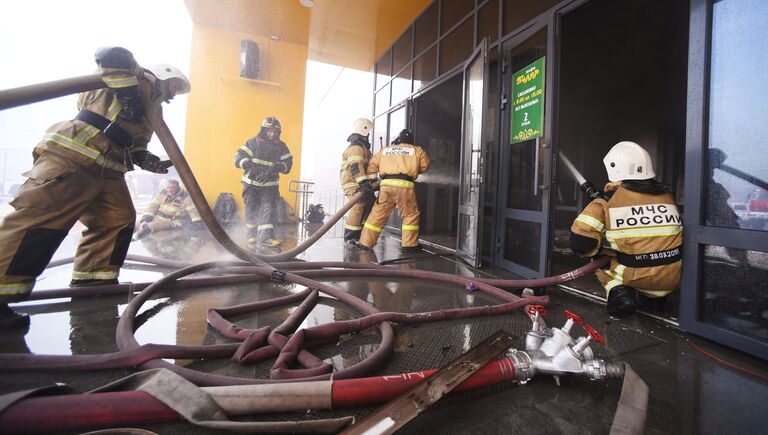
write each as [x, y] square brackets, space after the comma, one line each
[553, 351]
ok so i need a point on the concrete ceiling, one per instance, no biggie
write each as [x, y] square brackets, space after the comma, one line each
[350, 33]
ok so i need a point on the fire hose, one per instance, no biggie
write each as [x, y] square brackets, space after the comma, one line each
[22, 361]
[35, 93]
[125, 338]
[548, 351]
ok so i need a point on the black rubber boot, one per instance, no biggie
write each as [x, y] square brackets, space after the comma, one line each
[622, 301]
[407, 249]
[357, 245]
[10, 319]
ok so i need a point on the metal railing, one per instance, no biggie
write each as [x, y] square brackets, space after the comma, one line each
[331, 199]
[302, 190]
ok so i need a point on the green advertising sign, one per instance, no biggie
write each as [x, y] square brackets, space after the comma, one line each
[528, 103]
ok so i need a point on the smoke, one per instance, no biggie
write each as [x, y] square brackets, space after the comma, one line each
[440, 179]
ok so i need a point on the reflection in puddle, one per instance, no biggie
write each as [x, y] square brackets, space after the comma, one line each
[49, 334]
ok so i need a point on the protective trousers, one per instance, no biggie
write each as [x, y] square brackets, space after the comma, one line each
[57, 194]
[356, 216]
[260, 212]
[404, 198]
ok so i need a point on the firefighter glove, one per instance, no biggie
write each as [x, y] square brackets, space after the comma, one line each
[248, 165]
[281, 167]
[130, 99]
[152, 163]
[366, 190]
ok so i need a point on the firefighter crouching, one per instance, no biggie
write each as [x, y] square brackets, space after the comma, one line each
[78, 174]
[263, 158]
[170, 209]
[355, 178]
[398, 165]
[638, 218]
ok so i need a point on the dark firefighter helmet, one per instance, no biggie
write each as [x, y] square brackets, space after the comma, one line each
[273, 123]
[114, 57]
[405, 136]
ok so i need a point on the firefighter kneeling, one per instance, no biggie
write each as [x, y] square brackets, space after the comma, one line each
[170, 209]
[638, 218]
[398, 166]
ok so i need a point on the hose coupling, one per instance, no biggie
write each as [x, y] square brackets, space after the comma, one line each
[278, 275]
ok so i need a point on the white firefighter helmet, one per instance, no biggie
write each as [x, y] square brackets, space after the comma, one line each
[167, 72]
[362, 126]
[628, 161]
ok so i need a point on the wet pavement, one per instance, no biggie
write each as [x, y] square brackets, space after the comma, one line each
[689, 392]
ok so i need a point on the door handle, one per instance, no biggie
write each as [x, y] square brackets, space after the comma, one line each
[536, 168]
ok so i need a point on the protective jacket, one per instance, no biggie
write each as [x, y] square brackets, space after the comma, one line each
[354, 168]
[174, 209]
[398, 166]
[641, 223]
[354, 174]
[78, 176]
[399, 162]
[104, 137]
[263, 160]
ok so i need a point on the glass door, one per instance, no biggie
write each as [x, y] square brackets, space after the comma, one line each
[472, 153]
[526, 156]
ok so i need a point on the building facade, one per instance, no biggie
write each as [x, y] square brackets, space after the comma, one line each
[499, 91]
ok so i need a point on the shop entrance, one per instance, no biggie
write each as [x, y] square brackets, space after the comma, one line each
[436, 125]
[622, 76]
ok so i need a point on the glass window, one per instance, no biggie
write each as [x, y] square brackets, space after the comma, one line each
[384, 69]
[488, 21]
[425, 29]
[521, 243]
[452, 12]
[379, 137]
[737, 182]
[382, 100]
[396, 122]
[473, 133]
[401, 86]
[457, 46]
[466, 240]
[403, 51]
[519, 12]
[739, 308]
[425, 69]
[491, 127]
[522, 162]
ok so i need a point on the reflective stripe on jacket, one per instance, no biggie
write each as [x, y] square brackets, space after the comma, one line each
[85, 144]
[269, 160]
[176, 207]
[354, 168]
[635, 223]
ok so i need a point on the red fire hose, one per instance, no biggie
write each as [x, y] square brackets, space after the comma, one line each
[111, 409]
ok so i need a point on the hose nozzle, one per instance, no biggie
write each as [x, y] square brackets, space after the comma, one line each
[590, 190]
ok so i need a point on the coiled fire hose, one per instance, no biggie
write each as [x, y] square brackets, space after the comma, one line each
[127, 342]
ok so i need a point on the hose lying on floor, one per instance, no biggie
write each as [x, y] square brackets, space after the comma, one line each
[283, 342]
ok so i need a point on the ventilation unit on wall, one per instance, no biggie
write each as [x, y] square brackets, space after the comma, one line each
[249, 60]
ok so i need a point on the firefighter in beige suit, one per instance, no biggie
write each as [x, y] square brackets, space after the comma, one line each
[170, 209]
[638, 218]
[355, 178]
[398, 166]
[78, 175]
